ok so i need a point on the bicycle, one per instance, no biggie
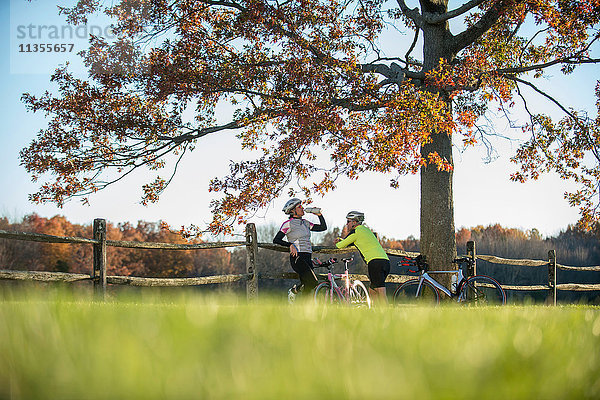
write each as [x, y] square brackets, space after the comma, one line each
[478, 289]
[353, 293]
[296, 289]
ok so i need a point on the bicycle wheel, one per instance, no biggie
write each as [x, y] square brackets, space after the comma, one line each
[359, 295]
[323, 294]
[482, 290]
[407, 293]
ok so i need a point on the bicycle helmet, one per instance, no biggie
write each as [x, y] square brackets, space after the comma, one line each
[356, 216]
[290, 205]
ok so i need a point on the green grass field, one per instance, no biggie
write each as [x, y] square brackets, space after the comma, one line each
[59, 346]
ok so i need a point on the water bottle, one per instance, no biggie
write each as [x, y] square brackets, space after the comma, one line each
[312, 210]
[453, 283]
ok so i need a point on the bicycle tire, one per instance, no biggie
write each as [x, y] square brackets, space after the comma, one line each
[406, 294]
[323, 294]
[482, 290]
[359, 295]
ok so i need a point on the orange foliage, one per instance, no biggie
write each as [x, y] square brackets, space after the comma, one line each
[463, 236]
[120, 261]
[308, 76]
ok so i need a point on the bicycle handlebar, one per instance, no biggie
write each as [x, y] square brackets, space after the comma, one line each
[421, 263]
[320, 264]
[467, 260]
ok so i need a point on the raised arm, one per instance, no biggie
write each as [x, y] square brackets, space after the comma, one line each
[321, 226]
[349, 240]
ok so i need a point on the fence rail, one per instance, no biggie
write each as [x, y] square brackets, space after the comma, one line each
[508, 261]
[43, 276]
[100, 279]
[40, 237]
[171, 246]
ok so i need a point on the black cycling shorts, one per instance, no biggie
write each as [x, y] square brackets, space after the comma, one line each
[379, 269]
[302, 265]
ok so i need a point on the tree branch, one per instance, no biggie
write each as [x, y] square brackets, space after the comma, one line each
[435, 19]
[566, 60]
[471, 34]
[393, 73]
[412, 46]
[197, 133]
[411, 13]
[546, 95]
[224, 3]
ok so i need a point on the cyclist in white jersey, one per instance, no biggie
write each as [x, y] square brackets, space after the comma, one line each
[297, 232]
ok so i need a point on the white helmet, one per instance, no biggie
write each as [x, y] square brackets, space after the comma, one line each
[356, 216]
[290, 205]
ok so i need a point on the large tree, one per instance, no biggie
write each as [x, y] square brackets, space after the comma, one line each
[378, 86]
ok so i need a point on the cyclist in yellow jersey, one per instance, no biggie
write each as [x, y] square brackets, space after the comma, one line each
[369, 247]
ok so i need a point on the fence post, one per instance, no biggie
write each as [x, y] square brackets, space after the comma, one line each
[472, 269]
[251, 256]
[551, 299]
[99, 268]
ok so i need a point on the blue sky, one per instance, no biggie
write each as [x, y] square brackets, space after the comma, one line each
[483, 194]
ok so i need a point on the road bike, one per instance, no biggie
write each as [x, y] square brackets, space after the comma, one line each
[352, 293]
[475, 290]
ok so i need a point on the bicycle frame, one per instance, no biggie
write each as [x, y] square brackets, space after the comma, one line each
[350, 291]
[343, 292]
[476, 289]
[457, 291]
[424, 276]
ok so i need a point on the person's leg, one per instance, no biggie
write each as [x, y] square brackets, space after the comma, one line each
[302, 266]
[378, 272]
[378, 295]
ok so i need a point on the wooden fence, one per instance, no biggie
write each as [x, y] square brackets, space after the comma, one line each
[100, 279]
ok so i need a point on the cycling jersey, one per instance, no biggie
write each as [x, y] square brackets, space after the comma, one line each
[297, 232]
[366, 242]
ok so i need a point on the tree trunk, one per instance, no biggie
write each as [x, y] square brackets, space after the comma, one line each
[438, 240]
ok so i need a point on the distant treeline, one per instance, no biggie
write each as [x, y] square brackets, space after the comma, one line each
[572, 247]
[33, 256]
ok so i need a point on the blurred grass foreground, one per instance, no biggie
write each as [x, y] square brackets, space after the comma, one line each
[56, 346]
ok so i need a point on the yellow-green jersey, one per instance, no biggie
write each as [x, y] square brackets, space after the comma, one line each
[366, 242]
